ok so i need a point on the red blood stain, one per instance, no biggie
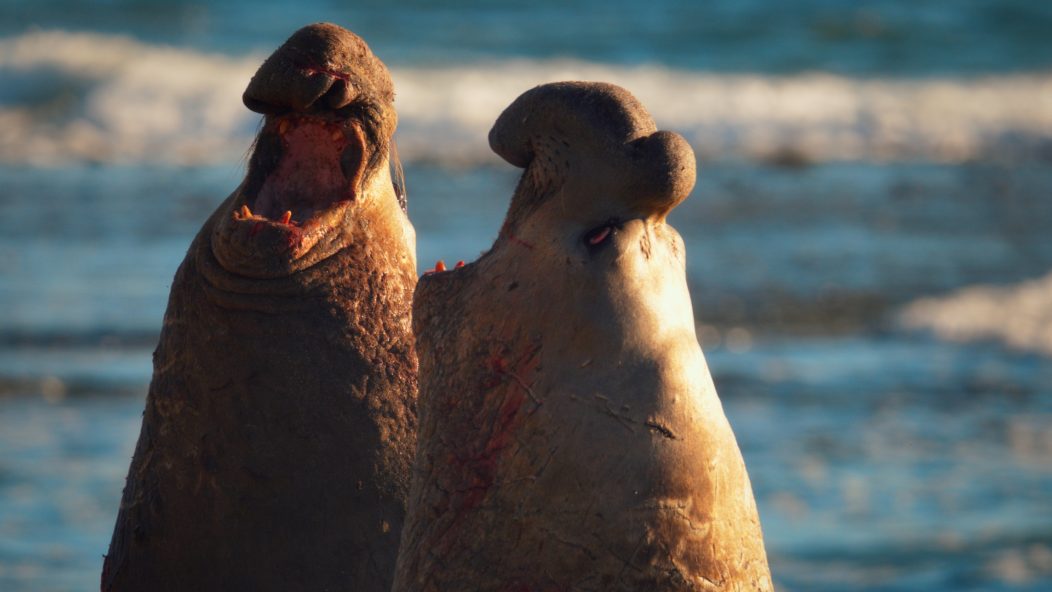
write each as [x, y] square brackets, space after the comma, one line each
[518, 240]
[483, 466]
[504, 388]
[505, 230]
[294, 238]
[498, 364]
[494, 409]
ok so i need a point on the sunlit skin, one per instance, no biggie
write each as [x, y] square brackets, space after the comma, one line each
[570, 434]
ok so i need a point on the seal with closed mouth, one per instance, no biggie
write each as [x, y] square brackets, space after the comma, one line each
[570, 434]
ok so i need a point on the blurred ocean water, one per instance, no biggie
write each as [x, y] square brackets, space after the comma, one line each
[869, 244]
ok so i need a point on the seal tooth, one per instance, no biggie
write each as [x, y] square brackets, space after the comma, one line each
[245, 212]
[440, 265]
[286, 217]
[283, 126]
[459, 265]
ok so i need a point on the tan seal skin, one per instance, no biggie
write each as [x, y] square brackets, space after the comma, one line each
[280, 423]
[570, 435]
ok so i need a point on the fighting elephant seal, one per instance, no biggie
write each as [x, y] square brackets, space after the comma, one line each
[280, 422]
[570, 434]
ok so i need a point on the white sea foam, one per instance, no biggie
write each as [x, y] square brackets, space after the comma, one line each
[72, 97]
[1019, 316]
[94, 98]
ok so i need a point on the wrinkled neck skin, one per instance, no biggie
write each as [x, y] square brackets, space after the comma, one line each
[254, 266]
[280, 425]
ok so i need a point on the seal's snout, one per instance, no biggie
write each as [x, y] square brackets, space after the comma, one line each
[322, 67]
[598, 139]
[665, 174]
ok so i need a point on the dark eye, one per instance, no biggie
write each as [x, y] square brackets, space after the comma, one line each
[600, 234]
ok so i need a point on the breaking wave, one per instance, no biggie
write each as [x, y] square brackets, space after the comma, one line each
[1019, 316]
[81, 97]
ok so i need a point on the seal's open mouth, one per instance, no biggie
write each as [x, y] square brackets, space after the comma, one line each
[317, 165]
[304, 172]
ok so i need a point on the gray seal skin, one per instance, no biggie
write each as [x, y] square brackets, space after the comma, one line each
[570, 434]
[280, 422]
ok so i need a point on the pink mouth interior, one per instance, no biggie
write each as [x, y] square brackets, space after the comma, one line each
[309, 177]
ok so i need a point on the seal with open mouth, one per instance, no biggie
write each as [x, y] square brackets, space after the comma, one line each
[280, 422]
[570, 434]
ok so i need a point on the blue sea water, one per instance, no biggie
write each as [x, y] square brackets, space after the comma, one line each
[865, 171]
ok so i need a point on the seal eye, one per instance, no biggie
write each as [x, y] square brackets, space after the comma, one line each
[599, 235]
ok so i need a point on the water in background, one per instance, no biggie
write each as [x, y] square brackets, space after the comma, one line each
[868, 245]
